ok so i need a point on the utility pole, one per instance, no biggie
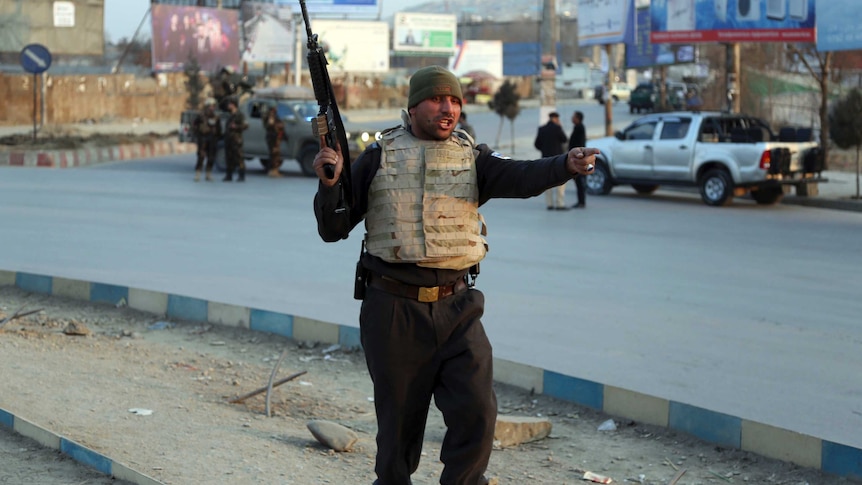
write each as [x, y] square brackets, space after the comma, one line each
[548, 69]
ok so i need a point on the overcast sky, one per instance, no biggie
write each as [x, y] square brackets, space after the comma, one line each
[122, 17]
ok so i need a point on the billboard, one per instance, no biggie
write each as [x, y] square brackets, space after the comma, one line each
[72, 27]
[368, 8]
[209, 35]
[354, 46]
[834, 31]
[602, 21]
[424, 33]
[478, 55]
[641, 53]
[268, 32]
[690, 21]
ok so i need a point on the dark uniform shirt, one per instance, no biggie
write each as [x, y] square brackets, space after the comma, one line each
[498, 177]
[207, 126]
[234, 127]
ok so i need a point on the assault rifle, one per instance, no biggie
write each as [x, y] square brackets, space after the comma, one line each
[327, 125]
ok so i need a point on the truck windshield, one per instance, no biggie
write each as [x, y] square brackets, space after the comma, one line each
[304, 110]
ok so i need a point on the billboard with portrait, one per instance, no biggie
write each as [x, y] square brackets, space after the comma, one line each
[834, 31]
[354, 46]
[209, 35]
[268, 32]
[72, 27]
[424, 33]
[640, 52]
[690, 21]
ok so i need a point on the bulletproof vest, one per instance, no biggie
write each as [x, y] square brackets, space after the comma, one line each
[423, 203]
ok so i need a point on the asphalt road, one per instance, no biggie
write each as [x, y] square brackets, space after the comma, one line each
[747, 310]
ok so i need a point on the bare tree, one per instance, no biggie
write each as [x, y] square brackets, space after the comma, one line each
[819, 65]
[505, 104]
[846, 126]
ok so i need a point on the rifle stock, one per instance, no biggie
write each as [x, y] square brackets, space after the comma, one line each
[327, 125]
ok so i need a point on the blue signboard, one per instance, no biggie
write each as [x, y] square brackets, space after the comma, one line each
[337, 7]
[641, 53]
[835, 30]
[35, 58]
[692, 21]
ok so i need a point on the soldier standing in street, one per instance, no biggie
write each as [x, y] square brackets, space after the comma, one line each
[207, 130]
[236, 124]
[274, 136]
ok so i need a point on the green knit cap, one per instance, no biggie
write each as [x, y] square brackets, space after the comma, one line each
[432, 81]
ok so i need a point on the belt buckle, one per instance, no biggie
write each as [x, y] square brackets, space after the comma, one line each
[429, 295]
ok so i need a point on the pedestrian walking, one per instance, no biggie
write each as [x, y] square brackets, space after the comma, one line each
[418, 190]
[579, 139]
[550, 140]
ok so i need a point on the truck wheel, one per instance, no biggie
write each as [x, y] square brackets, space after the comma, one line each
[645, 188]
[599, 182]
[306, 160]
[767, 195]
[716, 188]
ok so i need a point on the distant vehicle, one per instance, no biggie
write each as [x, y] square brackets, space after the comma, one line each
[296, 106]
[574, 79]
[724, 155]
[618, 92]
[645, 98]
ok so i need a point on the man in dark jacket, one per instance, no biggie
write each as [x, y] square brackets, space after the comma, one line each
[579, 139]
[419, 189]
[550, 141]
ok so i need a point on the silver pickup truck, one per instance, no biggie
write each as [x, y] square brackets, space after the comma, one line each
[296, 106]
[724, 155]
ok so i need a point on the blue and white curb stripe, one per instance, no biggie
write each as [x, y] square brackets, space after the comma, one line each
[710, 426]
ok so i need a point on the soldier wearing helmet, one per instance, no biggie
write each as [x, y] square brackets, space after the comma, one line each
[208, 131]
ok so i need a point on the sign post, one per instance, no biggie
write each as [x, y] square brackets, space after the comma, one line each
[35, 59]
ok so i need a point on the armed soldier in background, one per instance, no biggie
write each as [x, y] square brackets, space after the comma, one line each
[208, 131]
[234, 127]
[274, 136]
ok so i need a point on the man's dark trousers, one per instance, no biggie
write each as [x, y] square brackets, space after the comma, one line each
[417, 350]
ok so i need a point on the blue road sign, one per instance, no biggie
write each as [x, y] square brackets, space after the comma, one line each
[35, 58]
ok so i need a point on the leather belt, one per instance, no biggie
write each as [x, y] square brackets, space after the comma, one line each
[425, 294]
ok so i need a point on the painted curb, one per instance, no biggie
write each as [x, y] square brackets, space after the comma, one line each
[705, 424]
[81, 157]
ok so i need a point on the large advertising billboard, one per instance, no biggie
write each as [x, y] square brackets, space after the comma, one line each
[478, 55]
[836, 29]
[424, 33]
[268, 32]
[689, 21]
[602, 21]
[209, 35]
[354, 46]
[72, 27]
[640, 52]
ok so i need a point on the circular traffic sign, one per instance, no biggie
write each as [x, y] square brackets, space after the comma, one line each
[35, 58]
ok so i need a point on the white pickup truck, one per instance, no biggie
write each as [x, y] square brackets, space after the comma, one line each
[724, 155]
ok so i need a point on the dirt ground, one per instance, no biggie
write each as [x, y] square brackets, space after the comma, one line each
[84, 386]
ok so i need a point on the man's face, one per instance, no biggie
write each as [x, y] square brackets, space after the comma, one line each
[435, 117]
